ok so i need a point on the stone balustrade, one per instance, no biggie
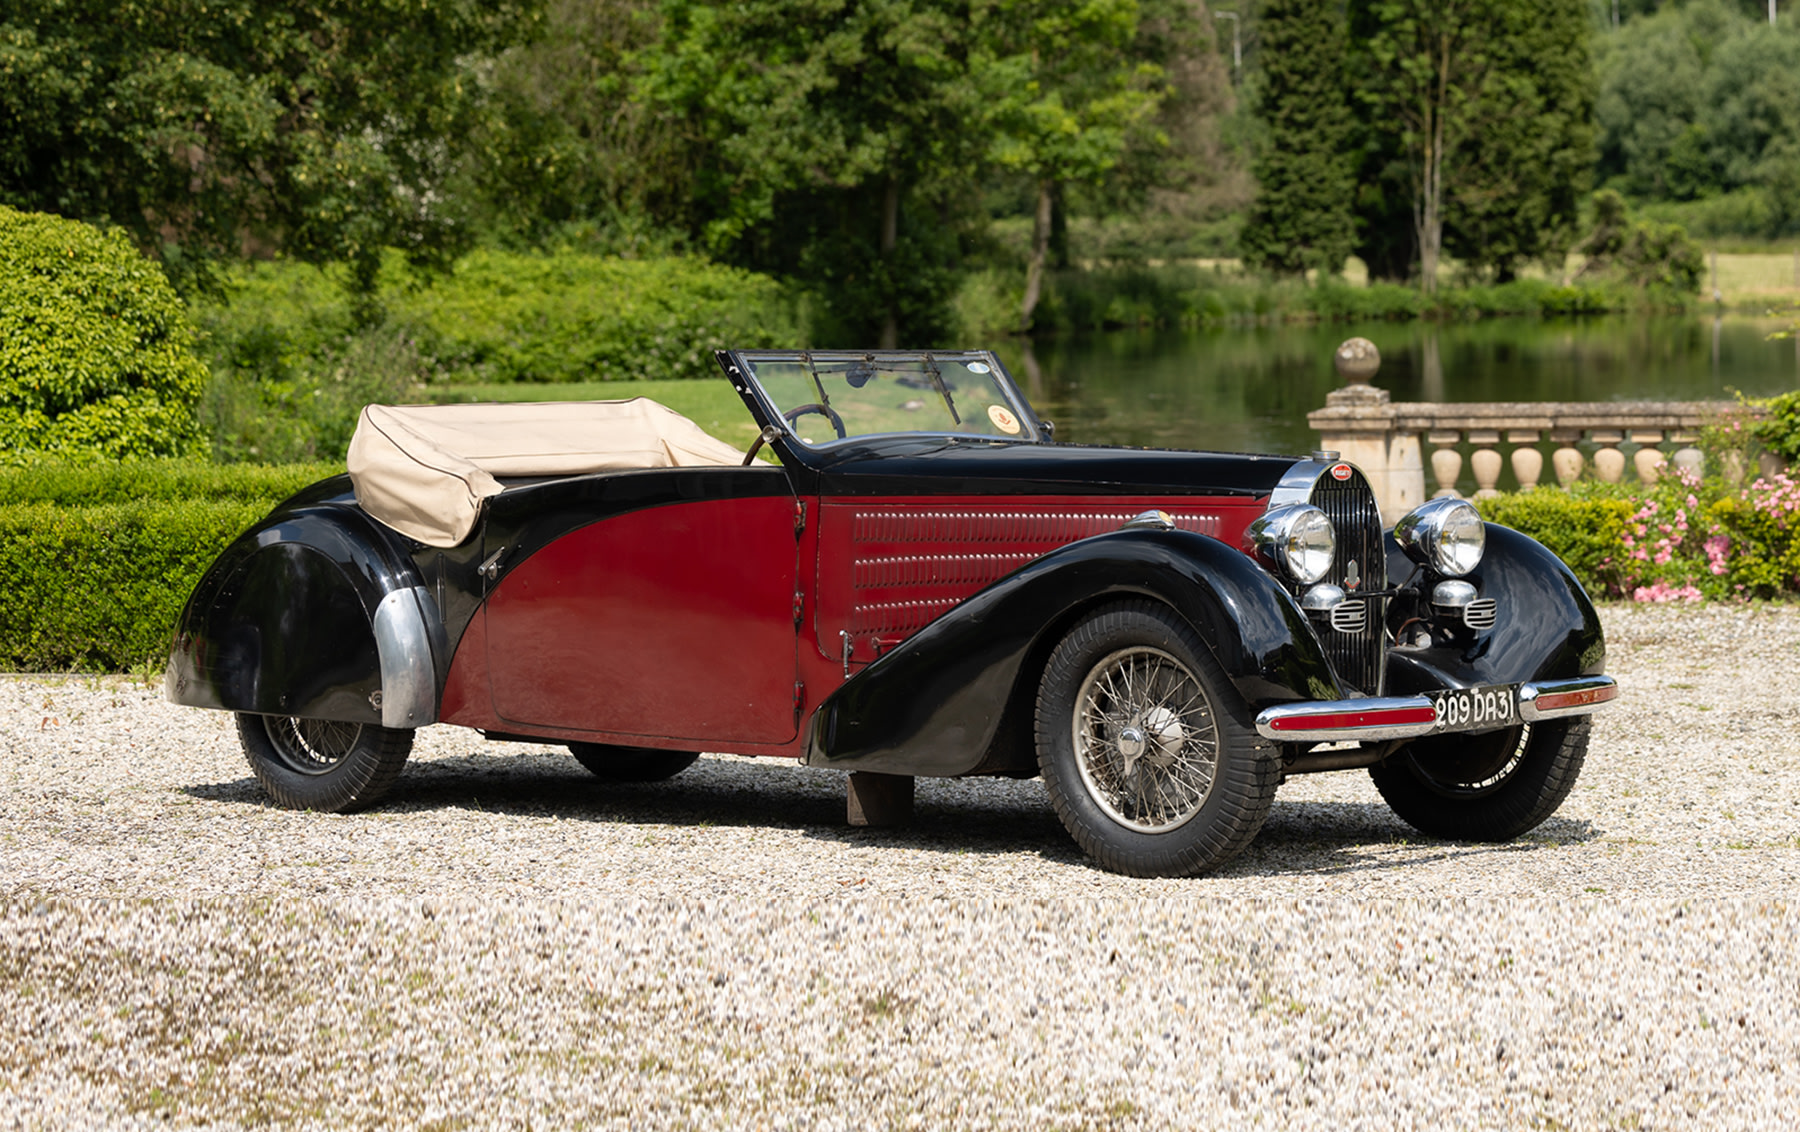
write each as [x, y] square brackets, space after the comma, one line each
[1383, 437]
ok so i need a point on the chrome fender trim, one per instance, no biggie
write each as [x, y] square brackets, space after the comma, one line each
[1554, 699]
[403, 623]
[1326, 721]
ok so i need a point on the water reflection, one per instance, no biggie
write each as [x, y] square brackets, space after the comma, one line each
[1250, 389]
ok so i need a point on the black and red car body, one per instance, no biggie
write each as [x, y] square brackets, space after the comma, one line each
[922, 582]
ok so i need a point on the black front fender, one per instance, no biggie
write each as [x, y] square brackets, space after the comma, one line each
[313, 612]
[1546, 627]
[934, 705]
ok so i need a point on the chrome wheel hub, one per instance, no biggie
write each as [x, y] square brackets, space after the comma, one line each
[1145, 739]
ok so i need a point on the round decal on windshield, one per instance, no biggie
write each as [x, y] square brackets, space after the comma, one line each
[1003, 419]
[978, 367]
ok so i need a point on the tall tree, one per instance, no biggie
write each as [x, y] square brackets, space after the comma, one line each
[205, 126]
[828, 135]
[1515, 195]
[1424, 68]
[1302, 216]
[1068, 97]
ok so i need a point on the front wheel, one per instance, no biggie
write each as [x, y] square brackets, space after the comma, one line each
[1490, 787]
[323, 764]
[1147, 750]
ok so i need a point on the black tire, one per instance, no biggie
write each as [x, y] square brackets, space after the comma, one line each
[631, 764]
[318, 764]
[1490, 787]
[1133, 676]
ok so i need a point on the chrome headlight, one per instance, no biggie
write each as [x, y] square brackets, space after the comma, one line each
[1295, 538]
[1445, 534]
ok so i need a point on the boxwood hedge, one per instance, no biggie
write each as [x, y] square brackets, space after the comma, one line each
[99, 559]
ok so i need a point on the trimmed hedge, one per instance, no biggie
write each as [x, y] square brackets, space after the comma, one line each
[98, 589]
[99, 559]
[1583, 530]
[88, 484]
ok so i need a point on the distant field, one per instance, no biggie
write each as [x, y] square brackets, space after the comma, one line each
[1746, 278]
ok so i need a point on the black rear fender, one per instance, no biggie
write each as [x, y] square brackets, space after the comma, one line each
[313, 612]
[935, 704]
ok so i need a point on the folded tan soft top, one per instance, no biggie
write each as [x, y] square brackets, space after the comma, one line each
[424, 469]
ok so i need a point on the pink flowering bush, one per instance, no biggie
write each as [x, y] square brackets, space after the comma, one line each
[1683, 539]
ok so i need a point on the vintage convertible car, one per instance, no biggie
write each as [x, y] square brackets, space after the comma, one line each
[912, 579]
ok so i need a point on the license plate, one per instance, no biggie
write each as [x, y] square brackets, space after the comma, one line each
[1477, 708]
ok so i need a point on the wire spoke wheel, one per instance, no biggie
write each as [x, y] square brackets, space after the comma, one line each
[1145, 739]
[1149, 754]
[313, 746]
[323, 764]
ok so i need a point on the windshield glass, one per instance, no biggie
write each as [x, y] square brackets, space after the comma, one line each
[831, 395]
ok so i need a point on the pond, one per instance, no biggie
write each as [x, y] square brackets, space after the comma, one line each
[1249, 389]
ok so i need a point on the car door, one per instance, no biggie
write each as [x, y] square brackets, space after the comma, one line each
[674, 620]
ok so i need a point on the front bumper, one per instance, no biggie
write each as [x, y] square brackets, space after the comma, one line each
[1406, 717]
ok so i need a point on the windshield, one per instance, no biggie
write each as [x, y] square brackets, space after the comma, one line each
[827, 396]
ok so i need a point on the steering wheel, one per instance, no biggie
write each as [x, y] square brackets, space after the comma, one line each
[825, 411]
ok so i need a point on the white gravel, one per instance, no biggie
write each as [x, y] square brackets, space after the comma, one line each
[510, 943]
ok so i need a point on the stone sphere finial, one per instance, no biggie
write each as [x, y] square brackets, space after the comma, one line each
[1357, 360]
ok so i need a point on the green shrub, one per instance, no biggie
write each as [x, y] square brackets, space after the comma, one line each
[1779, 432]
[99, 588]
[1582, 527]
[96, 353]
[567, 316]
[100, 556]
[90, 483]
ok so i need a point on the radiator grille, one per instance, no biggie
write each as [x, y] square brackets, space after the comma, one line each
[1360, 566]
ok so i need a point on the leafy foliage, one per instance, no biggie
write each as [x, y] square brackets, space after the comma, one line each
[1779, 432]
[99, 588]
[1302, 215]
[1646, 254]
[1474, 115]
[95, 347]
[198, 125]
[88, 483]
[293, 365]
[1701, 102]
[1683, 538]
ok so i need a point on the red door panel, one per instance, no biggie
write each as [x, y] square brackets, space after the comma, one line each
[888, 567]
[675, 621]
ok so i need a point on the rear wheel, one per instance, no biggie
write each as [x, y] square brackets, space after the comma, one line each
[323, 764]
[631, 764]
[1148, 752]
[1490, 787]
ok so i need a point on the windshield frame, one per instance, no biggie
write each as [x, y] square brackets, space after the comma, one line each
[742, 368]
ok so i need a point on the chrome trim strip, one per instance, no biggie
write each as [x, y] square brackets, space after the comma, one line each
[1267, 719]
[1297, 482]
[403, 640]
[1529, 693]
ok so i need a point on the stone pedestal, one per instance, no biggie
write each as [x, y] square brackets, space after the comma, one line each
[1358, 424]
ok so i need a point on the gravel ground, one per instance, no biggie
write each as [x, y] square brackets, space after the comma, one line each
[510, 943]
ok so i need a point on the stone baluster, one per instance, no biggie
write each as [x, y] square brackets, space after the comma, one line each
[1486, 463]
[1567, 460]
[1527, 461]
[1446, 462]
[1768, 464]
[1687, 457]
[1609, 462]
[1649, 458]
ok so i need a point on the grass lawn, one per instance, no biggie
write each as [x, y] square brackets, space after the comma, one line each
[713, 405]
